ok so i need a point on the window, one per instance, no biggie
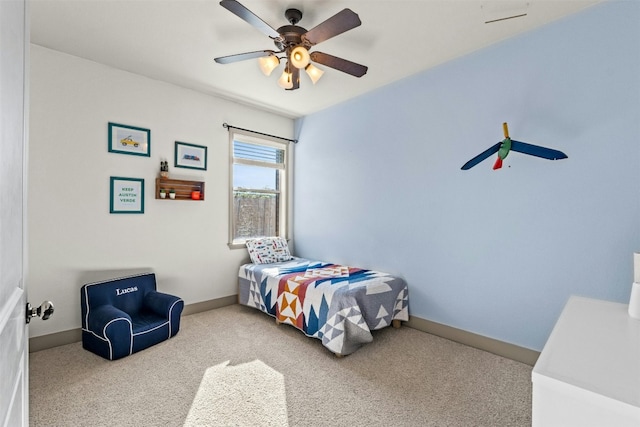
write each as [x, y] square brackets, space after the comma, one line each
[258, 187]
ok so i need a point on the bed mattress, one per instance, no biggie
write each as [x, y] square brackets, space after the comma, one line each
[336, 304]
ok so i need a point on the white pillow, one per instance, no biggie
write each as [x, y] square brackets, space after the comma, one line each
[268, 250]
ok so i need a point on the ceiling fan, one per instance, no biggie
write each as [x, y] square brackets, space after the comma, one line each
[506, 145]
[293, 44]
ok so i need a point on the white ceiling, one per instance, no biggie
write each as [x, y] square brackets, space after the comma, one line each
[176, 40]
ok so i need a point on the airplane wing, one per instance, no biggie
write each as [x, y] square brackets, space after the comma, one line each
[480, 157]
[536, 150]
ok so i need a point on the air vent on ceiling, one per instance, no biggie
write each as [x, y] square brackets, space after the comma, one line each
[501, 10]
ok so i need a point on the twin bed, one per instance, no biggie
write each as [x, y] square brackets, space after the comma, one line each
[337, 304]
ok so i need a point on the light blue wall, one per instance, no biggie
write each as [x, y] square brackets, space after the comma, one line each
[378, 181]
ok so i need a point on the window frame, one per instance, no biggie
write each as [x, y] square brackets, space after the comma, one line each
[283, 181]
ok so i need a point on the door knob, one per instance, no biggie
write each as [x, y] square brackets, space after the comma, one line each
[45, 310]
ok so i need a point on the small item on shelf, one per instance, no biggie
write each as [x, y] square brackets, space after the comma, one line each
[163, 194]
[172, 194]
[164, 169]
[195, 195]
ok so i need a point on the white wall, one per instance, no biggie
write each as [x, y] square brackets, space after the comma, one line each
[73, 238]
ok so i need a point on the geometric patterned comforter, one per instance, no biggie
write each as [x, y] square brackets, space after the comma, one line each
[337, 304]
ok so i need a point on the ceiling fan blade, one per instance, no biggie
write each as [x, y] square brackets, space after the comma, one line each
[342, 21]
[339, 64]
[482, 156]
[536, 150]
[242, 56]
[245, 14]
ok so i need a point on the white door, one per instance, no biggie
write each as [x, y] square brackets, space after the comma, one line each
[14, 383]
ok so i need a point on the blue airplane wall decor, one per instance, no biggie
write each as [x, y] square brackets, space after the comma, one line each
[506, 145]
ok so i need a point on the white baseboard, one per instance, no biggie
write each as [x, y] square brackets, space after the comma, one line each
[510, 351]
[501, 348]
[56, 339]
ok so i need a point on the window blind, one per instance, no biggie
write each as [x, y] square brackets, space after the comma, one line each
[257, 153]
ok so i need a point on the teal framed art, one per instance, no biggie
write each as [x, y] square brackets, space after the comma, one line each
[190, 156]
[132, 140]
[126, 195]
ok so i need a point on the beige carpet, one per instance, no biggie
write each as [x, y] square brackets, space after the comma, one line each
[235, 367]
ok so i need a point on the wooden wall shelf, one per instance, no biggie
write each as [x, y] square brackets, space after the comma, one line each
[183, 188]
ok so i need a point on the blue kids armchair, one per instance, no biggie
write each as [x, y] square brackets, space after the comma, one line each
[126, 315]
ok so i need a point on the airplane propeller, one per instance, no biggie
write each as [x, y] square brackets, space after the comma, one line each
[506, 145]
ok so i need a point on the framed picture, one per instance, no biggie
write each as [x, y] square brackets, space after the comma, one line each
[190, 156]
[126, 195]
[129, 140]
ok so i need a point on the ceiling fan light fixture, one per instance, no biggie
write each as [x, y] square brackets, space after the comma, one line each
[294, 42]
[268, 64]
[300, 57]
[286, 79]
[313, 72]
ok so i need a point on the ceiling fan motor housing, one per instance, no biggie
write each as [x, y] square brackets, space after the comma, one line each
[291, 36]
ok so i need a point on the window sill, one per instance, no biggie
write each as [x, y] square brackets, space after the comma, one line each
[242, 245]
[237, 246]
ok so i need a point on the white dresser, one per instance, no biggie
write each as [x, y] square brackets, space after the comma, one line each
[588, 373]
